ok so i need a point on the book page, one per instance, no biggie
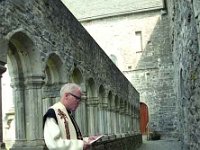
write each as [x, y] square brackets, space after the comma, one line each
[93, 139]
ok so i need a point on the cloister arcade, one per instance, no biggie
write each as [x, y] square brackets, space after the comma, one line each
[36, 86]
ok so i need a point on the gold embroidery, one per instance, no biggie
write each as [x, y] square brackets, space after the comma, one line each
[64, 116]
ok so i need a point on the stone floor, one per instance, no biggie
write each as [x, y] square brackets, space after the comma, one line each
[170, 144]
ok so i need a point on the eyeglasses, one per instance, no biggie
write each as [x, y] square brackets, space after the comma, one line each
[77, 97]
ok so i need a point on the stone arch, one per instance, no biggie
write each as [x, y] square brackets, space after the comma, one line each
[101, 110]
[101, 93]
[54, 78]
[76, 76]
[92, 107]
[91, 88]
[54, 70]
[23, 56]
[80, 114]
[24, 65]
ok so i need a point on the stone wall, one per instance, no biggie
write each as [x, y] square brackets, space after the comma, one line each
[150, 69]
[184, 18]
[46, 47]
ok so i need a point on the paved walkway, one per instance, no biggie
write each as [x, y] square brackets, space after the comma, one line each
[160, 145]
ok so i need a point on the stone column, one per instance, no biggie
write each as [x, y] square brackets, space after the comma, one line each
[34, 107]
[127, 129]
[81, 116]
[121, 119]
[101, 119]
[130, 120]
[92, 104]
[18, 97]
[109, 119]
[32, 129]
[138, 119]
[104, 112]
[117, 120]
[113, 119]
[2, 70]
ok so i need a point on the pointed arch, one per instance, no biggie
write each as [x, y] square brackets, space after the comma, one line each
[76, 76]
[54, 70]
[101, 93]
[91, 88]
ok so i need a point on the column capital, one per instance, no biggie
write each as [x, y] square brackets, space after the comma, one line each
[92, 101]
[104, 105]
[34, 80]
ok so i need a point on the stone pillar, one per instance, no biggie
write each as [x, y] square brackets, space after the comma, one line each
[81, 116]
[104, 112]
[117, 120]
[121, 118]
[2, 70]
[113, 119]
[130, 120]
[31, 99]
[18, 97]
[138, 119]
[127, 129]
[109, 119]
[34, 107]
[92, 104]
[101, 119]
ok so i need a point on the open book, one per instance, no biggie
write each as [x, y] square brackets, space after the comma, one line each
[93, 139]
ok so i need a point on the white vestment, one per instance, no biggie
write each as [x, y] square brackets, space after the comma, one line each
[55, 134]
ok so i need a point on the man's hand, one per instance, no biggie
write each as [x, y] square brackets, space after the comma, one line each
[86, 145]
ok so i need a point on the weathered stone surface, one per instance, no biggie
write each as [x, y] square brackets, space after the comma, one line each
[185, 46]
[150, 69]
[48, 47]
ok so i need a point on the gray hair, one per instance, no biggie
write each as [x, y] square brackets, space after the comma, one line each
[69, 87]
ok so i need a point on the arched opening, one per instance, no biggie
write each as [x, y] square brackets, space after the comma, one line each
[24, 68]
[80, 114]
[54, 70]
[91, 88]
[144, 118]
[18, 62]
[101, 110]
[77, 76]
[92, 107]
[54, 78]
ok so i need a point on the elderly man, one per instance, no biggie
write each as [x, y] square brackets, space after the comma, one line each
[61, 131]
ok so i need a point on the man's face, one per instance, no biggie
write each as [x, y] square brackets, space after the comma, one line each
[73, 99]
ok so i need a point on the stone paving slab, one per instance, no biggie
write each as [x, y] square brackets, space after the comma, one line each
[160, 145]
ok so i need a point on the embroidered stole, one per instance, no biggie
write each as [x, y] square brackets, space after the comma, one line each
[64, 116]
[78, 132]
[66, 121]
